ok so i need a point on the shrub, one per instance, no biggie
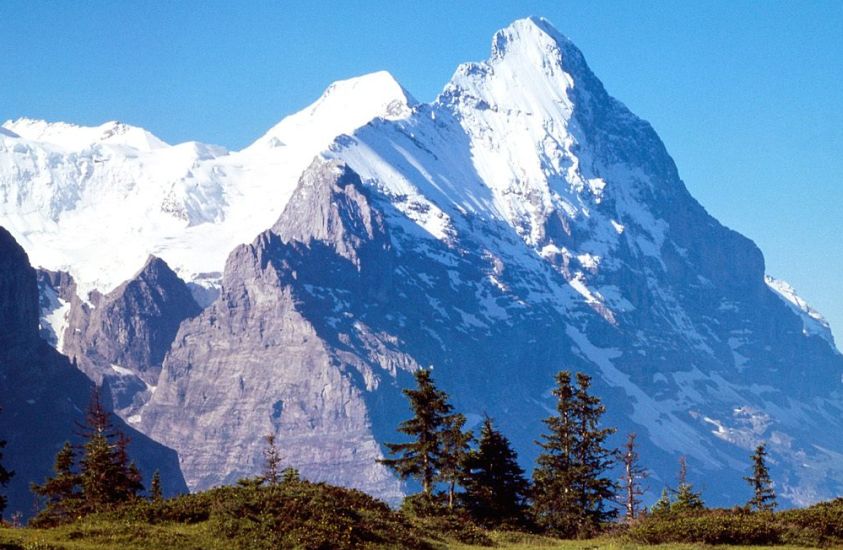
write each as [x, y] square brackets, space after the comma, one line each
[309, 515]
[708, 527]
[431, 515]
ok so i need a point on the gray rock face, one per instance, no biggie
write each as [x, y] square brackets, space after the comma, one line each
[43, 396]
[121, 337]
[56, 291]
[254, 363]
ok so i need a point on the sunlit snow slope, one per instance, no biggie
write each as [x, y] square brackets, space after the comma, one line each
[98, 201]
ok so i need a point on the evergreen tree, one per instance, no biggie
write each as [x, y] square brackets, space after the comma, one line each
[61, 492]
[455, 448]
[106, 473]
[569, 487]
[290, 475]
[5, 476]
[422, 457]
[593, 457]
[128, 482]
[764, 496]
[97, 473]
[662, 506]
[554, 499]
[155, 492]
[272, 461]
[687, 499]
[633, 475]
[496, 490]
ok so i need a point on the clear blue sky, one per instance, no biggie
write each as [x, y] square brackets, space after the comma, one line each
[748, 96]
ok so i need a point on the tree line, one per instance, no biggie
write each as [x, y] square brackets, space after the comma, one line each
[571, 492]
[93, 476]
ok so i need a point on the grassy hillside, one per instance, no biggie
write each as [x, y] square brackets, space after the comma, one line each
[299, 514]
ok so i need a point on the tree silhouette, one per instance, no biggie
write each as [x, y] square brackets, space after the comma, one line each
[763, 495]
[570, 489]
[633, 475]
[496, 490]
[421, 458]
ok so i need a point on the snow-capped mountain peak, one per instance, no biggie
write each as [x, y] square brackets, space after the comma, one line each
[523, 222]
[813, 322]
[71, 137]
[344, 106]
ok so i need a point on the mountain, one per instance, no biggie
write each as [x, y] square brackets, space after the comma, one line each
[96, 202]
[120, 339]
[43, 396]
[523, 222]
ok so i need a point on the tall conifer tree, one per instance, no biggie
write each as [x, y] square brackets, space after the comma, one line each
[763, 495]
[272, 461]
[62, 492]
[570, 487]
[594, 459]
[455, 448]
[421, 458]
[496, 490]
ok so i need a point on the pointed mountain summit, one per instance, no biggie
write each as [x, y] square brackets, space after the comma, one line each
[121, 338]
[344, 106]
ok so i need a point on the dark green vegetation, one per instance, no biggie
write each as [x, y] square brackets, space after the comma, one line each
[820, 526]
[255, 515]
[570, 488]
[473, 493]
[103, 477]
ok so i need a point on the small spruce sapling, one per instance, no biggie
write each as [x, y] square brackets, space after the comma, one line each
[155, 493]
[687, 499]
[272, 461]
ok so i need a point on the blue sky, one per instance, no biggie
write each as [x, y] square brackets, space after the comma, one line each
[747, 96]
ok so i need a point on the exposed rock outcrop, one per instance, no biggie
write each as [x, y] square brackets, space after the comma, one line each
[43, 396]
[253, 363]
[120, 338]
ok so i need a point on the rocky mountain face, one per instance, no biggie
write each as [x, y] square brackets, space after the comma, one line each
[43, 396]
[255, 362]
[522, 223]
[120, 338]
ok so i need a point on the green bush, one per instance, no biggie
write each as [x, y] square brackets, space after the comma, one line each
[188, 509]
[431, 515]
[709, 527]
[310, 516]
[819, 525]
